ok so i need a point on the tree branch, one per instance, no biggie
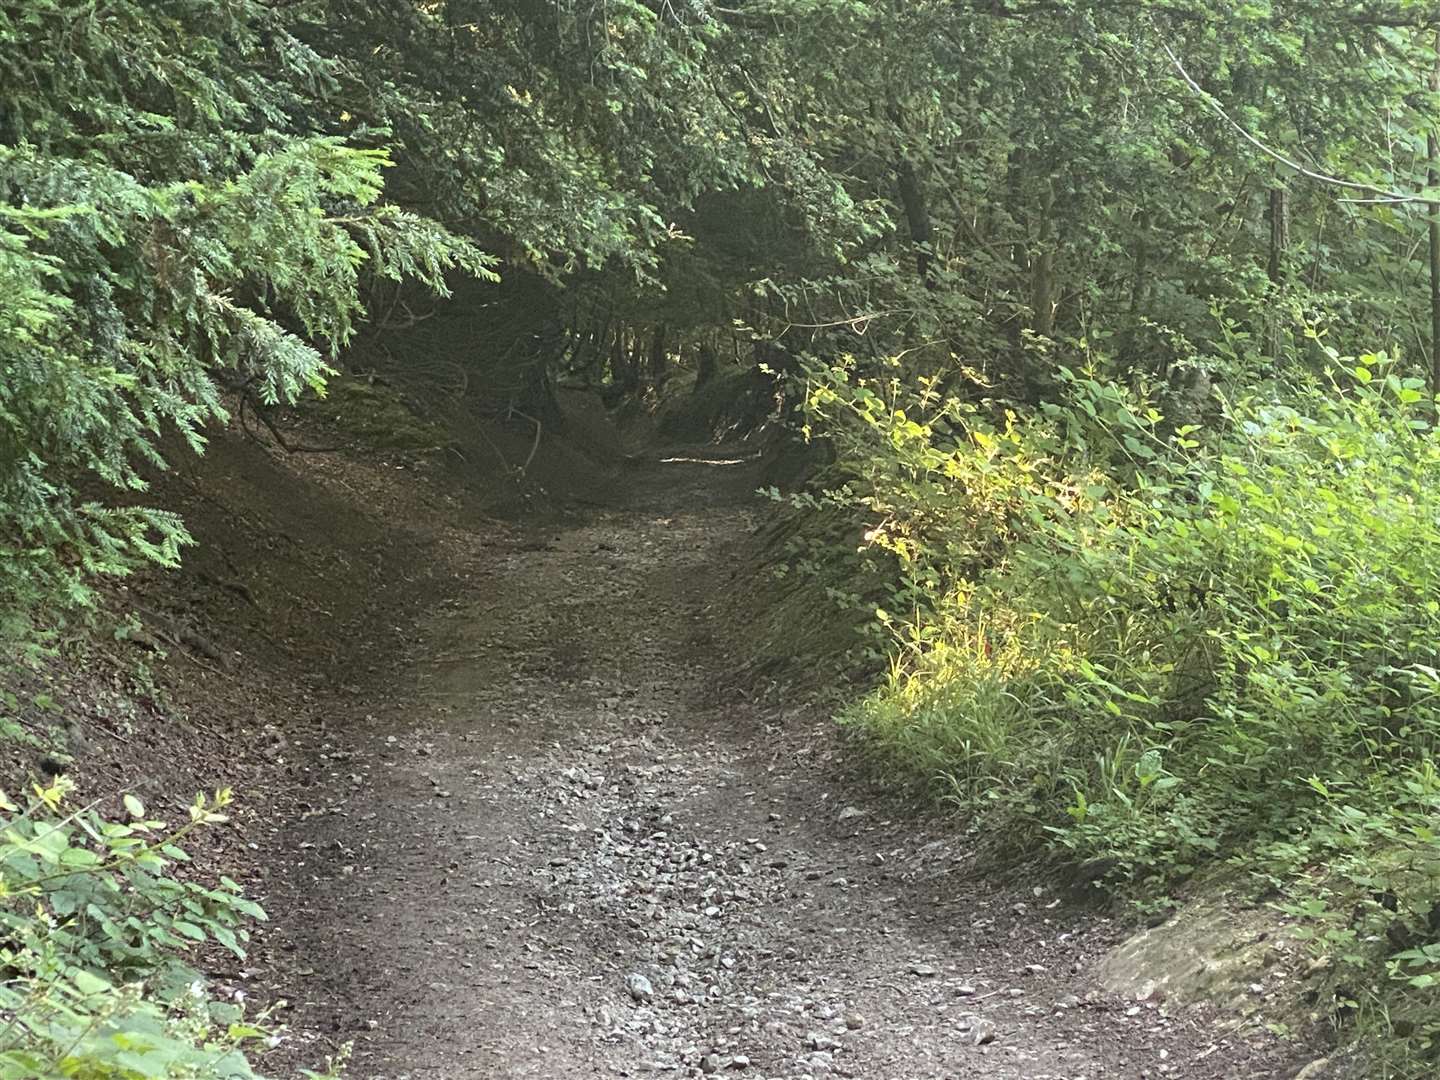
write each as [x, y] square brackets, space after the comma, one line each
[1382, 194]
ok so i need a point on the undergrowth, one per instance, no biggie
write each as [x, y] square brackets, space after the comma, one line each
[95, 925]
[1155, 650]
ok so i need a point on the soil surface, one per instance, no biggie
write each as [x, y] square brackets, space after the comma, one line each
[550, 837]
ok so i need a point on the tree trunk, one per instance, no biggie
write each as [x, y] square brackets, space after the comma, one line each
[622, 363]
[1432, 153]
[1279, 214]
[637, 360]
[917, 216]
[537, 392]
[1017, 224]
[659, 357]
[1140, 286]
[1042, 275]
[1279, 233]
[593, 349]
[706, 363]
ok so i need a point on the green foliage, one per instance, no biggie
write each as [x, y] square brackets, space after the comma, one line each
[96, 920]
[194, 202]
[577, 131]
[165, 232]
[1152, 649]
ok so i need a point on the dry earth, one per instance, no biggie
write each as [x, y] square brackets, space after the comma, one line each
[549, 837]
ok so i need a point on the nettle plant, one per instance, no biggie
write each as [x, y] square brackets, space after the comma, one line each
[94, 925]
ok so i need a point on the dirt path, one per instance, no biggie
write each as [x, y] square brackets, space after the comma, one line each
[547, 853]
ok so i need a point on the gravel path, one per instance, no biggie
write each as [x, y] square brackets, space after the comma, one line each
[549, 850]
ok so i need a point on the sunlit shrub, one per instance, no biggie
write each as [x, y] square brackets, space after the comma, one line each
[1153, 649]
[94, 924]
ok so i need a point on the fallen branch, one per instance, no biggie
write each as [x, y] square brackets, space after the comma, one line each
[539, 429]
[246, 396]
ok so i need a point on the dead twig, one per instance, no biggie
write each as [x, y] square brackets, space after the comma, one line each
[535, 447]
[247, 396]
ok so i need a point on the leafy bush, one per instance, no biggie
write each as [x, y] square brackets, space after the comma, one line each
[1152, 651]
[94, 924]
